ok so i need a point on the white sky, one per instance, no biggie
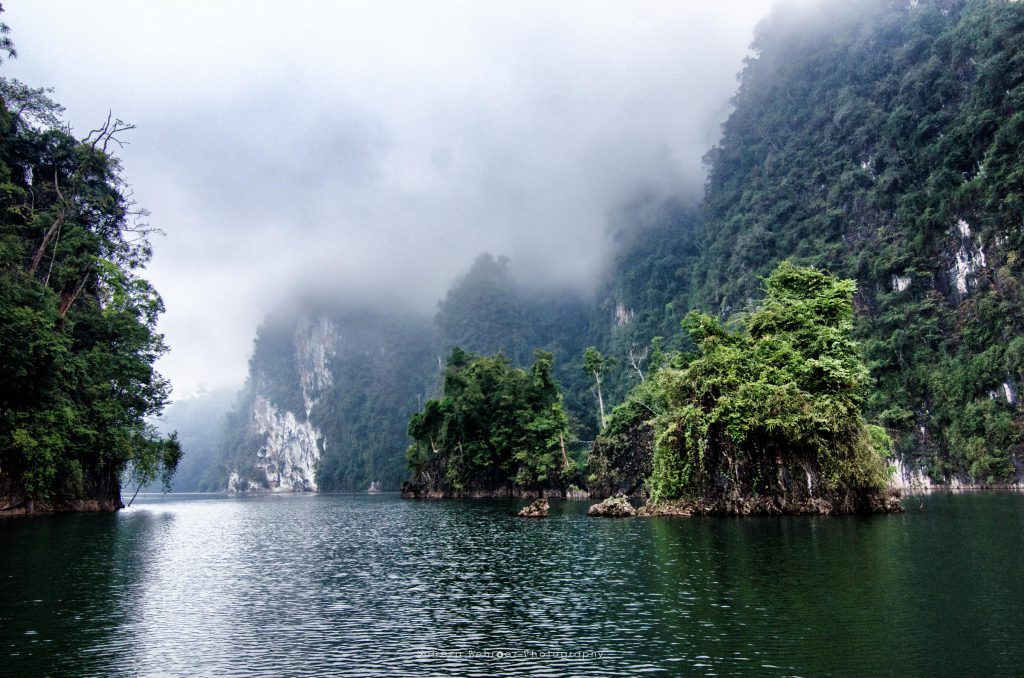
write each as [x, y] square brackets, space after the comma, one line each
[374, 149]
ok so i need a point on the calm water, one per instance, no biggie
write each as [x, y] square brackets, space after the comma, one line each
[373, 585]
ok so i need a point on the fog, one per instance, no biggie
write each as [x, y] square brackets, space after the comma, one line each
[375, 150]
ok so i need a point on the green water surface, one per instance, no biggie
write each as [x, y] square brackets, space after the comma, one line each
[344, 585]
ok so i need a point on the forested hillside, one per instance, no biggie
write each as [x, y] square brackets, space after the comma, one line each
[77, 323]
[328, 397]
[330, 390]
[488, 310]
[880, 141]
[883, 141]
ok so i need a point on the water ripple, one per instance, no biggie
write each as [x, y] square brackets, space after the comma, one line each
[370, 586]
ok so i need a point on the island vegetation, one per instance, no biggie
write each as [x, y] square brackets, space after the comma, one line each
[77, 322]
[765, 416]
[497, 430]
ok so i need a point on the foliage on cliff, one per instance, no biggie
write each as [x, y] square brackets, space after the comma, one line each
[772, 406]
[488, 310]
[495, 428]
[881, 141]
[361, 380]
[619, 462]
[77, 324]
[383, 369]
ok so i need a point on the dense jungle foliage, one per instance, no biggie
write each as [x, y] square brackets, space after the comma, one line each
[882, 141]
[77, 324]
[495, 428]
[772, 406]
[487, 311]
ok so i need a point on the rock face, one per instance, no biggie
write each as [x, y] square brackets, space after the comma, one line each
[880, 502]
[538, 509]
[42, 508]
[908, 478]
[620, 461]
[287, 443]
[612, 507]
[290, 452]
[328, 399]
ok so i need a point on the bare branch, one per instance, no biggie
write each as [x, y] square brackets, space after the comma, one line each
[53, 230]
[98, 132]
[107, 133]
[636, 359]
[67, 300]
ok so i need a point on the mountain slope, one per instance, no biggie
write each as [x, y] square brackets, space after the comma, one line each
[327, 401]
[884, 142]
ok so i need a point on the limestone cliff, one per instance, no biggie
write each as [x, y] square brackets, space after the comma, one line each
[327, 400]
[287, 445]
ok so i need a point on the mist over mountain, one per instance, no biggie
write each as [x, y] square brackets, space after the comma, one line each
[375, 151]
[448, 335]
[870, 140]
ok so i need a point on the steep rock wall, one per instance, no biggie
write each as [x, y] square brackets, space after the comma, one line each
[288, 446]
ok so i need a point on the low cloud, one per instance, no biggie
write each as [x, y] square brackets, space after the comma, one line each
[373, 151]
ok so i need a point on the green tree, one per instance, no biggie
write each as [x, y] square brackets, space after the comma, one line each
[77, 324]
[495, 429]
[772, 407]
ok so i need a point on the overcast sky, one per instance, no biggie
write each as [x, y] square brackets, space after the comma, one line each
[377, 148]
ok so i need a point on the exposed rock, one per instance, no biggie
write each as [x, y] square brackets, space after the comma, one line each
[622, 315]
[289, 453]
[877, 502]
[574, 492]
[424, 489]
[538, 509]
[315, 347]
[96, 496]
[970, 258]
[620, 464]
[612, 507]
[286, 445]
[908, 478]
[900, 282]
[43, 508]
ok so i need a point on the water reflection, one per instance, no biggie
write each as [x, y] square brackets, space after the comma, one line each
[71, 588]
[373, 585]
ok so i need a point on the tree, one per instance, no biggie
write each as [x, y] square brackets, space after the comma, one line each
[772, 407]
[496, 428]
[77, 324]
[6, 44]
[154, 458]
[595, 365]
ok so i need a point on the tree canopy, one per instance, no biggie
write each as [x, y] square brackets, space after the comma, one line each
[496, 427]
[78, 332]
[767, 406]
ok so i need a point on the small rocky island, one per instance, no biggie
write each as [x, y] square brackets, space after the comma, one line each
[538, 509]
[612, 507]
[497, 431]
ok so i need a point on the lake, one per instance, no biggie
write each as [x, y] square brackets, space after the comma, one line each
[371, 585]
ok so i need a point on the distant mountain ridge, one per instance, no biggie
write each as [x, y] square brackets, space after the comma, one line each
[879, 140]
